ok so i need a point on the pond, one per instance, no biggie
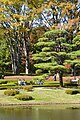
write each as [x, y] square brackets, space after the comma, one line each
[39, 113]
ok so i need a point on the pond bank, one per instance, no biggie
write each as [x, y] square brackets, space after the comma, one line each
[40, 106]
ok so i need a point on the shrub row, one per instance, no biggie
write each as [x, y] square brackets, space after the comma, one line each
[47, 85]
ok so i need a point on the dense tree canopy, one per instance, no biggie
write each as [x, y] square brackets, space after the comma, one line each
[20, 19]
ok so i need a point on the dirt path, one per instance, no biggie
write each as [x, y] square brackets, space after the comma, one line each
[19, 77]
[30, 77]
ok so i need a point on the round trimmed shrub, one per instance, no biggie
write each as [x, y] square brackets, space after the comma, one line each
[71, 92]
[28, 88]
[11, 92]
[24, 97]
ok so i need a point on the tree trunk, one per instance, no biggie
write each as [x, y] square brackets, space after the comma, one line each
[15, 61]
[61, 79]
[14, 50]
[73, 70]
[17, 53]
[25, 52]
[26, 46]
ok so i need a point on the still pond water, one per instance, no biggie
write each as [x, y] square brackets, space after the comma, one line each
[39, 113]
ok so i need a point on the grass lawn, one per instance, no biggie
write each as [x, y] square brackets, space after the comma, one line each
[49, 93]
[42, 95]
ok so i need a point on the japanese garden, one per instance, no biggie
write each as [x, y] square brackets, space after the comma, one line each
[39, 54]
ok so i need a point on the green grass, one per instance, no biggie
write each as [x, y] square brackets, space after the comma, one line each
[45, 93]
[42, 95]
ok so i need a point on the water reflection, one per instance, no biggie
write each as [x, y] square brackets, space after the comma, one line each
[39, 113]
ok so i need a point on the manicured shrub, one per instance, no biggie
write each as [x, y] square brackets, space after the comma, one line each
[28, 88]
[11, 92]
[71, 91]
[24, 97]
[3, 81]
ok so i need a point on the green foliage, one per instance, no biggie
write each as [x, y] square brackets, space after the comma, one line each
[44, 39]
[52, 85]
[11, 92]
[75, 62]
[73, 91]
[76, 40]
[74, 54]
[46, 49]
[11, 84]
[45, 66]
[45, 76]
[55, 33]
[24, 97]
[68, 47]
[47, 44]
[55, 51]
[61, 39]
[38, 72]
[3, 87]
[59, 68]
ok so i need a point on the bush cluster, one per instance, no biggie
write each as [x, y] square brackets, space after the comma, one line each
[71, 91]
[24, 97]
[11, 92]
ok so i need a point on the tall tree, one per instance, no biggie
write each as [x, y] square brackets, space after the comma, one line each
[52, 52]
